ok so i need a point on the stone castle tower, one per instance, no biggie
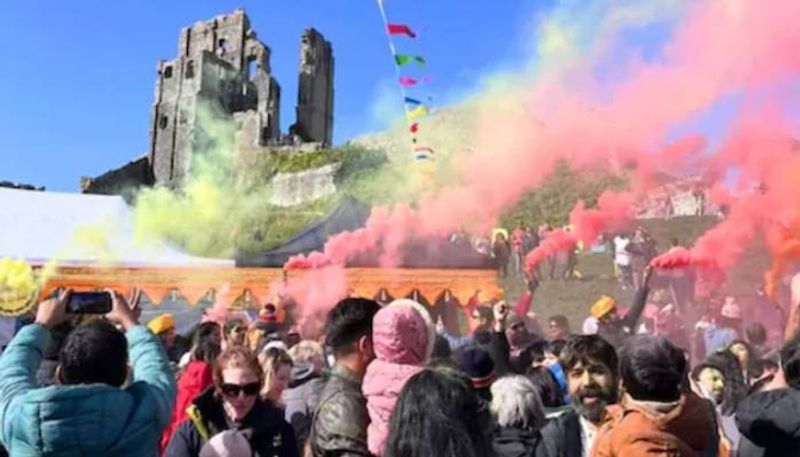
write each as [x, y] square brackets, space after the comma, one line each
[315, 94]
[222, 63]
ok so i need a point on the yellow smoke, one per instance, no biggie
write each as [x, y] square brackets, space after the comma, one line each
[18, 287]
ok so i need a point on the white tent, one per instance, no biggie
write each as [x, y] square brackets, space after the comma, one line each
[81, 229]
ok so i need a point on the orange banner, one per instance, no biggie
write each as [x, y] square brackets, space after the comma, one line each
[251, 287]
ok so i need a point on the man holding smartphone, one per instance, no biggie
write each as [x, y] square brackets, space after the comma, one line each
[89, 412]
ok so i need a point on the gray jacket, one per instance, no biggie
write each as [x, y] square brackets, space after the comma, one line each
[301, 399]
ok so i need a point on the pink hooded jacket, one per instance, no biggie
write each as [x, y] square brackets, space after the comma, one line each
[403, 336]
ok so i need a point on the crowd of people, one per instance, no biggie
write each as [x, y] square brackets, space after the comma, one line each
[668, 375]
[388, 381]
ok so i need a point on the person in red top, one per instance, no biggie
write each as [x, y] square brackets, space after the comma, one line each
[194, 380]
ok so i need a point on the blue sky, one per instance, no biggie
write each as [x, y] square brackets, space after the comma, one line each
[77, 80]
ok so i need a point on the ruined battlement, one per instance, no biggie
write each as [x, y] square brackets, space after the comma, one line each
[222, 64]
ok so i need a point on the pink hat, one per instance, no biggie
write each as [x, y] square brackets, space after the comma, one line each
[731, 311]
[230, 443]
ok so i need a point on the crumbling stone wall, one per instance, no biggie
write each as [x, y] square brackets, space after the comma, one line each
[222, 65]
[124, 181]
[290, 189]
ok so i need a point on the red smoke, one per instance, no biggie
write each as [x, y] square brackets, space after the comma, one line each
[675, 258]
[719, 49]
[317, 290]
[614, 211]
[555, 241]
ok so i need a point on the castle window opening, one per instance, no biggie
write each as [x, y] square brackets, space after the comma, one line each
[168, 71]
[222, 47]
[190, 69]
[252, 68]
[162, 122]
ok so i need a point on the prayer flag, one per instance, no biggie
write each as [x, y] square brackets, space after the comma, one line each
[417, 112]
[401, 29]
[403, 59]
[413, 101]
[407, 81]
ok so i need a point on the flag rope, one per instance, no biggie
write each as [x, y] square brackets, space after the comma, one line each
[403, 82]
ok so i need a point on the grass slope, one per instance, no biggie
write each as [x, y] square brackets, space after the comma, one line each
[574, 298]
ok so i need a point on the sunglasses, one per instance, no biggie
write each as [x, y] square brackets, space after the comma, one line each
[234, 390]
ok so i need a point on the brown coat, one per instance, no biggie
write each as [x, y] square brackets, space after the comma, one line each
[688, 430]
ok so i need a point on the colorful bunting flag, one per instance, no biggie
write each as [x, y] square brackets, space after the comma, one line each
[423, 156]
[400, 29]
[417, 112]
[407, 81]
[402, 59]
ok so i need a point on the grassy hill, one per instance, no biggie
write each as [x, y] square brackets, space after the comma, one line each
[574, 298]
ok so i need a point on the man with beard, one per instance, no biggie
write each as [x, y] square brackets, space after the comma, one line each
[590, 364]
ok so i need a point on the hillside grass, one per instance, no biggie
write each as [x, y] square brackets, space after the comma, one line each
[574, 298]
[269, 226]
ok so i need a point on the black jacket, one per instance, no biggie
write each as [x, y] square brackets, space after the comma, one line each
[269, 434]
[616, 332]
[517, 442]
[771, 420]
[561, 437]
[340, 422]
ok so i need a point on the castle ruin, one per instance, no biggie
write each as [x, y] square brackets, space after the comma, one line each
[222, 63]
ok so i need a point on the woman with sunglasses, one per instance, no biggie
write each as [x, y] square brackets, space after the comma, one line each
[233, 403]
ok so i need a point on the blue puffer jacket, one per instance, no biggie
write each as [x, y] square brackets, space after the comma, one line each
[84, 420]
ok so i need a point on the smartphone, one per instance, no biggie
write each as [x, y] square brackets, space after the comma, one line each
[89, 303]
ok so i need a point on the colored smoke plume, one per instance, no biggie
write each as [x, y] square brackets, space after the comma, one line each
[614, 211]
[18, 287]
[564, 108]
[557, 240]
[316, 291]
[564, 111]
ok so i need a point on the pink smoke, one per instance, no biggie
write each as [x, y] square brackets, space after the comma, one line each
[675, 258]
[614, 211]
[555, 241]
[318, 290]
[717, 51]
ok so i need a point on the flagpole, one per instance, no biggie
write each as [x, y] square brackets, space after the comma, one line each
[393, 51]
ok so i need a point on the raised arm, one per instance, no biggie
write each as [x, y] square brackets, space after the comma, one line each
[147, 356]
[23, 355]
[639, 301]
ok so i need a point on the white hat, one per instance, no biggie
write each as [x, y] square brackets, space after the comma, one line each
[230, 443]
[590, 326]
